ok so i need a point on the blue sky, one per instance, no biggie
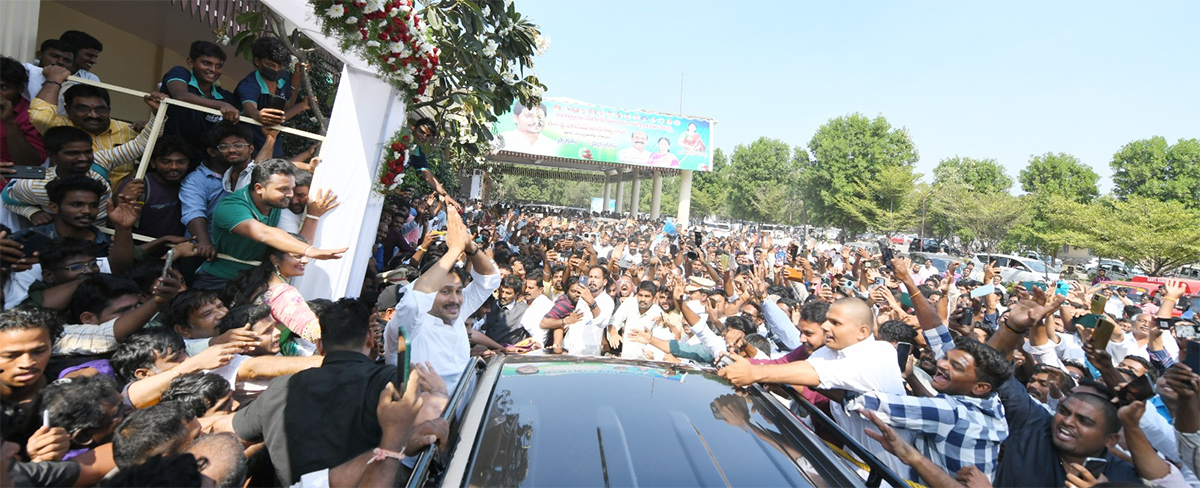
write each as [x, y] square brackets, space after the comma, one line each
[1002, 80]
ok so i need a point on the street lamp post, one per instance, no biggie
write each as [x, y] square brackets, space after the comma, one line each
[921, 243]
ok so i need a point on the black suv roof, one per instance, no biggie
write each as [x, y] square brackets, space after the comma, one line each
[572, 421]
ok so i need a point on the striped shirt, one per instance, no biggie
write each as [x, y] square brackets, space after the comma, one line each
[27, 197]
[954, 431]
[85, 339]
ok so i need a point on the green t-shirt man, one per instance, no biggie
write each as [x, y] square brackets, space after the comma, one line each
[233, 210]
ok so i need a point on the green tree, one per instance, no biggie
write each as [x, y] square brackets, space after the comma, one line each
[1157, 235]
[890, 202]
[1151, 168]
[1034, 230]
[981, 175]
[977, 216]
[847, 154]
[759, 178]
[1060, 174]
[710, 190]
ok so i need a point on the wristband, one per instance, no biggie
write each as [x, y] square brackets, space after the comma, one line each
[1014, 331]
[471, 253]
[381, 454]
[54, 82]
[314, 217]
[309, 248]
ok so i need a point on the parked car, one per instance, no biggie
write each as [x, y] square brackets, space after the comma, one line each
[1191, 271]
[575, 421]
[1017, 268]
[1115, 269]
[926, 245]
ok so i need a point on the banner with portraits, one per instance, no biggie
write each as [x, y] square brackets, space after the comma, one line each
[574, 130]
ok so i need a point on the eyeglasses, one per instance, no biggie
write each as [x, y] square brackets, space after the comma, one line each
[86, 109]
[237, 145]
[80, 267]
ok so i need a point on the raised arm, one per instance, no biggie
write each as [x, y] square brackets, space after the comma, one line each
[1145, 459]
[926, 315]
[1019, 319]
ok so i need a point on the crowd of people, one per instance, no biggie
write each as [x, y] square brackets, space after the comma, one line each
[187, 358]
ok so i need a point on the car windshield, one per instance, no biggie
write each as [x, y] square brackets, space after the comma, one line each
[599, 424]
[1035, 265]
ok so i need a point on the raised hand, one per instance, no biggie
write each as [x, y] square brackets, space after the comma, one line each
[396, 412]
[902, 268]
[1174, 290]
[457, 235]
[1025, 314]
[10, 252]
[123, 215]
[321, 201]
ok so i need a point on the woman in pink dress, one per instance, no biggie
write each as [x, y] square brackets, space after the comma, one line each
[269, 283]
[663, 156]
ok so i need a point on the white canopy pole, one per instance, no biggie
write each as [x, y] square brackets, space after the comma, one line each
[366, 112]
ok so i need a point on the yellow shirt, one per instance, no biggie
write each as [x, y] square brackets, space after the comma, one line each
[44, 116]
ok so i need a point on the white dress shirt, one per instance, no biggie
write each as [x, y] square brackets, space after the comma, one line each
[870, 365]
[629, 318]
[583, 338]
[431, 340]
[532, 320]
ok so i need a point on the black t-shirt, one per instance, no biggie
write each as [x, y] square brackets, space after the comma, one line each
[318, 418]
[46, 473]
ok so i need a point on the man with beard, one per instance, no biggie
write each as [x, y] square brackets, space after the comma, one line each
[162, 210]
[75, 202]
[636, 316]
[244, 225]
[87, 107]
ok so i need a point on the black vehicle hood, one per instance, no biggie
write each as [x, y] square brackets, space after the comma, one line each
[563, 421]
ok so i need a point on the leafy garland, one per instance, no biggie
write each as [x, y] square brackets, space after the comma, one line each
[391, 37]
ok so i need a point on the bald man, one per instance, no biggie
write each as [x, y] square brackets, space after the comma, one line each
[851, 361]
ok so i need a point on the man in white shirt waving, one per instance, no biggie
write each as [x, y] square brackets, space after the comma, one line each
[433, 314]
[851, 361]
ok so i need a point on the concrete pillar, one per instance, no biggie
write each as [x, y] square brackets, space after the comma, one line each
[607, 194]
[656, 196]
[635, 205]
[685, 196]
[620, 207]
